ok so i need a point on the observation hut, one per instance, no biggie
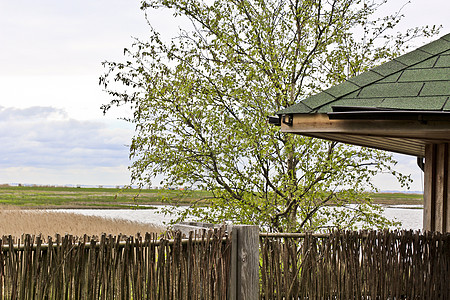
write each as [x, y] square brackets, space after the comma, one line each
[401, 106]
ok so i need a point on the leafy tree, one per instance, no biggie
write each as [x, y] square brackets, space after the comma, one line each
[200, 104]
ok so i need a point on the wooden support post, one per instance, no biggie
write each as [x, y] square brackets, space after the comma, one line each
[436, 212]
[429, 187]
[244, 279]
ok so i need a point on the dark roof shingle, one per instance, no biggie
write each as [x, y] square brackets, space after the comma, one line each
[418, 80]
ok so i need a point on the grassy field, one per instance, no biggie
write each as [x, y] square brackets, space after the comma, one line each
[397, 198]
[17, 218]
[67, 197]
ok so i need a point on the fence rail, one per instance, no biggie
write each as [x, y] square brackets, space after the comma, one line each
[121, 244]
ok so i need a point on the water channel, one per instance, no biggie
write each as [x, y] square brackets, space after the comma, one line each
[410, 216]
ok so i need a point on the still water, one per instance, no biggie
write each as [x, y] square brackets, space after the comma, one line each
[410, 216]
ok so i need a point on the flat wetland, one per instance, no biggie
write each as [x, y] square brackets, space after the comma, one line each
[24, 209]
[43, 197]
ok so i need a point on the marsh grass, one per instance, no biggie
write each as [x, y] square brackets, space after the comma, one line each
[397, 198]
[70, 197]
[16, 222]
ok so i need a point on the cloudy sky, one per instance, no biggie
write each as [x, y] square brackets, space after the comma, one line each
[51, 128]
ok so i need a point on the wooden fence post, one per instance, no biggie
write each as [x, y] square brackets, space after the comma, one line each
[244, 279]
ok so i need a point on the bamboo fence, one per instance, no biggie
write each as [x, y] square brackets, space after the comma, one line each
[138, 267]
[355, 265]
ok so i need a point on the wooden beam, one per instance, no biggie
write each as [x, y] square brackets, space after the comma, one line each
[436, 131]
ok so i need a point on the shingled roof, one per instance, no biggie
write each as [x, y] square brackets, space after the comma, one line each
[401, 106]
[418, 80]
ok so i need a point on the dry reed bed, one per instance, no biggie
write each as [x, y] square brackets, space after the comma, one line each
[16, 222]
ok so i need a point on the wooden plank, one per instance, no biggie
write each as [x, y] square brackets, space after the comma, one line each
[232, 286]
[354, 131]
[446, 202]
[247, 263]
[429, 187]
[436, 188]
[308, 123]
[440, 185]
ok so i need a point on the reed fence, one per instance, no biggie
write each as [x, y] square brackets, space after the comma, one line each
[355, 265]
[141, 267]
[219, 265]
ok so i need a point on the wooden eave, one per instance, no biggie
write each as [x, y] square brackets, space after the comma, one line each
[401, 136]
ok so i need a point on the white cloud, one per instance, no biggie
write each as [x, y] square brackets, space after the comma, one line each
[117, 175]
[45, 138]
[79, 96]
